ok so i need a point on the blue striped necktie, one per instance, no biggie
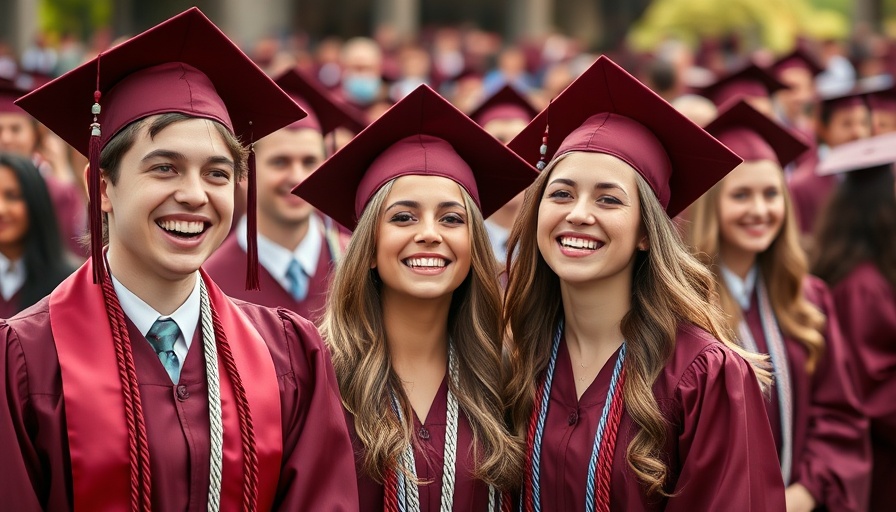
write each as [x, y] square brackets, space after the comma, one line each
[162, 336]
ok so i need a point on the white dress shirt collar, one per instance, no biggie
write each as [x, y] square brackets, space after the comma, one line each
[143, 315]
[740, 289]
[276, 259]
[12, 277]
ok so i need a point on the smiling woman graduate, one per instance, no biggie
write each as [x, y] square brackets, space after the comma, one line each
[744, 228]
[137, 384]
[626, 387]
[413, 316]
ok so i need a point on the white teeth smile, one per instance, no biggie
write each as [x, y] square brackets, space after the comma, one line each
[182, 226]
[425, 262]
[578, 243]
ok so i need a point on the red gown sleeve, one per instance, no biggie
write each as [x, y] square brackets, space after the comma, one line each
[318, 470]
[725, 445]
[836, 464]
[20, 478]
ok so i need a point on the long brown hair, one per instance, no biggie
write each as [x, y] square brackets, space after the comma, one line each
[783, 267]
[669, 287]
[353, 328]
[859, 224]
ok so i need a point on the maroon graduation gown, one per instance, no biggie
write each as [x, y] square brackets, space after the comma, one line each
[8, 308]
[810, 194]
[429, 445]
[830, 434]
[36, 469]
[719, 447]
[227, 268]
[70, 208]
[866, 308]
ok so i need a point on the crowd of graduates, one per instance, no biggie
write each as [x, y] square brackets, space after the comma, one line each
[447, 274]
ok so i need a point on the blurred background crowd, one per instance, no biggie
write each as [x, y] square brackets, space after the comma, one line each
[371, 53]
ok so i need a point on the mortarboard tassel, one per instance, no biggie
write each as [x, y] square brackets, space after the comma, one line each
[251, 226]
[543, 149]
[93, 178]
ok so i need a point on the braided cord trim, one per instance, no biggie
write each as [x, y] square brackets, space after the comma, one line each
[213, 380]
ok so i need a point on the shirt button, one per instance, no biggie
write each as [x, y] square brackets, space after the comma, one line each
[182, 393]
[573, 418]
[423, 433]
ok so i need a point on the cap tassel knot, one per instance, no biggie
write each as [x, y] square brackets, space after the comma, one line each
[93, 178]
[251, 224]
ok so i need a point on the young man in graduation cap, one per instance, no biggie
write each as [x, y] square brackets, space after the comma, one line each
[503, 115]
[137, 384]
[794, 104]
[842, 118]
[297, 246]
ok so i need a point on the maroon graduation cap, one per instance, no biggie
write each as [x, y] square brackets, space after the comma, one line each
[800, 57]
[832, 102]
[754, 136]
[507, 103]
[883, 99]
[749, 81]
[860, 154]
[325, 113]
[606, 110]
[184, 65]
[9, 93]
[422, 134]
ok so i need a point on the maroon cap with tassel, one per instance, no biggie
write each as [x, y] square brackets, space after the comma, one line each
[184, 65]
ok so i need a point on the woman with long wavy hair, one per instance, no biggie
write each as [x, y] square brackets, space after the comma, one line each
[413, 319]
[856, 256]
[32, 257]
[745, 230]
[626, 386]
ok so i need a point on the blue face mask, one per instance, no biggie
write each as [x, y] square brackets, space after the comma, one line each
[362, 89]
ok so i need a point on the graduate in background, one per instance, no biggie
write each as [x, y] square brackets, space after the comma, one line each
[137, 384]
[414, 314]
[883, 110]
[744, 230]
[20, 135]
[503, 115]
[856, 256]
[751, 83]
[795, 104]
[840, 119]
[625, 385]
[297, 247]
[32, 258]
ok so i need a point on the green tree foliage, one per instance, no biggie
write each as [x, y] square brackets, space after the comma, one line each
[78, 17]
[774, 24]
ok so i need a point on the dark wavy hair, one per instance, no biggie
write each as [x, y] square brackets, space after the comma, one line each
[858, 225]
[45, 259]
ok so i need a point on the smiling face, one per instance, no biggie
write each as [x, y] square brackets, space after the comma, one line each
[172, 202]
[589, 219]
[751, 209]
[423, 239]
[284, 159]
